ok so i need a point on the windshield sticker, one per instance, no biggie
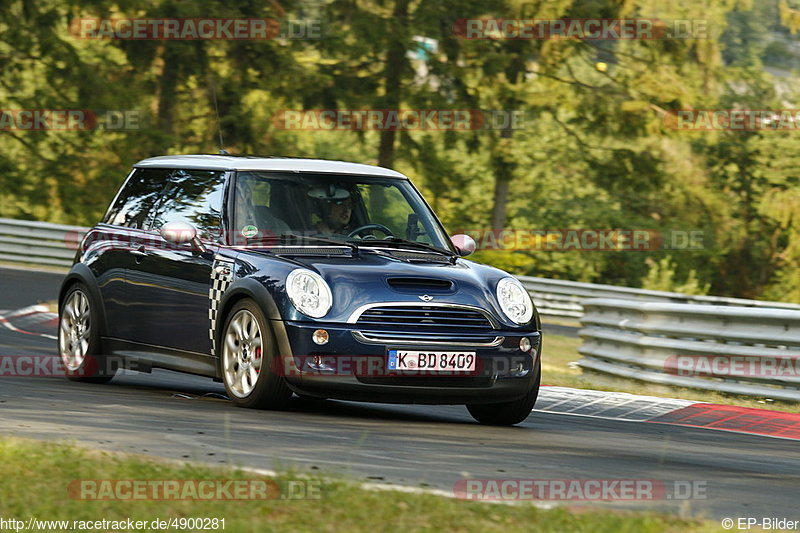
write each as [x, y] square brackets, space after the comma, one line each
[249, 231]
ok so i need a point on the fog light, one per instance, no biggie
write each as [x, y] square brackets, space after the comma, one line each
[321, 337]
[525, 344]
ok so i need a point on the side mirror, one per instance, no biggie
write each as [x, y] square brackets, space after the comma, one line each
[464, 244]
[180, 233]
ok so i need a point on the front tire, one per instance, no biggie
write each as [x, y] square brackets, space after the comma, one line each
[247, 359]
[508, 413]
[79, 338]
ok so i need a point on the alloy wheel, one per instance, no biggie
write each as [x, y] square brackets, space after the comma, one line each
[242, 353]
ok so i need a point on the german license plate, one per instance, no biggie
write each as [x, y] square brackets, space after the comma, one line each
[430, 360]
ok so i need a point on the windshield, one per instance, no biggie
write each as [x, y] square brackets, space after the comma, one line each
[346, 208]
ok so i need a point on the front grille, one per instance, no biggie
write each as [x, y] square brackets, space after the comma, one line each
[425, 317]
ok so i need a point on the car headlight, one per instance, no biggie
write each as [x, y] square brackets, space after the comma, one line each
[514, 301]
[309, 293]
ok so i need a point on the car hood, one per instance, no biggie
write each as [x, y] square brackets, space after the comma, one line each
[368, 277]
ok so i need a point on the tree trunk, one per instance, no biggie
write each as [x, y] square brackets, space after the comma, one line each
[167, 89]
[503, 161]
[392, 78]
[499, 202]
[503, 174]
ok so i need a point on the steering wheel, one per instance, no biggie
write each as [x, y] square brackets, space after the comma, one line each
[366, 227]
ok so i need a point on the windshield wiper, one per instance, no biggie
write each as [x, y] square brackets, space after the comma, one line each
[284, 237]
[398, 242]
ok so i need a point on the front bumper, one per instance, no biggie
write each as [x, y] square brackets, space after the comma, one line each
[353, 365]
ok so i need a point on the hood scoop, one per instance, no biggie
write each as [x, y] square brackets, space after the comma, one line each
[416, 285]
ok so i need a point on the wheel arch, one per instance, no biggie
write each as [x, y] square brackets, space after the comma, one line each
[248, 288]
[80, 273]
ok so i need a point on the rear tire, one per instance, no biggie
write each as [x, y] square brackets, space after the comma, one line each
[508, 413]
[247, 358]
[79, 338]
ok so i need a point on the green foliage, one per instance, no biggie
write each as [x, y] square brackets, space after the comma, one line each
[595, 150]
[661, 277]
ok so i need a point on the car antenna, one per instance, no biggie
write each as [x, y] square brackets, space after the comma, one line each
[222, 150]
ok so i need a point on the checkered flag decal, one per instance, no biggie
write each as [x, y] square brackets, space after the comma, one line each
[221, 278]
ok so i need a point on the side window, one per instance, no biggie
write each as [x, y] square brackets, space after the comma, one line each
[135, 201]
[196, 197]
[252, 202]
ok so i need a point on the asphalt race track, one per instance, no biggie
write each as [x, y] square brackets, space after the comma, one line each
[166, 414]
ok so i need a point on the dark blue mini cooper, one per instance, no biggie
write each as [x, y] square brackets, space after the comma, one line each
[277, 276]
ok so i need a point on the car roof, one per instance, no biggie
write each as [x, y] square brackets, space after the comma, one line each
[229, 162]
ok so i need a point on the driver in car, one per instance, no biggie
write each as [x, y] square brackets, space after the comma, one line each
[336, 210]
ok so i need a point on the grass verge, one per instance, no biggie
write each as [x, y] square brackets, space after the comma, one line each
[34, 266]
[558, 368]
[36, 476]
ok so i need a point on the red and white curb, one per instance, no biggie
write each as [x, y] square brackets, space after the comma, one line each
[34, 317]
[651, 409]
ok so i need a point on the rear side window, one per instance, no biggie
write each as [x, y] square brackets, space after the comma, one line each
[134, 204]
[193, 196]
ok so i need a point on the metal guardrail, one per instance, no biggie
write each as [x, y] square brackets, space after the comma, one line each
[560, 298]
[738, 350]
[41, 243]
[54, 244]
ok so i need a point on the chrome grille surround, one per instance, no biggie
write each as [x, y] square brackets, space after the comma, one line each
[431, 323]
